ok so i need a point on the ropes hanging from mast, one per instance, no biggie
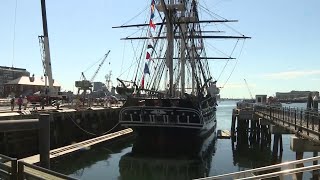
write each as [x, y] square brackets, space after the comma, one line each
[234, 65]
[228, 60]
[185, 29]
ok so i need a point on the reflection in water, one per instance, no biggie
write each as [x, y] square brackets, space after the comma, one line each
[76, 164]
[252, 148]
[247, 157]
[136, 166]
[109, 161]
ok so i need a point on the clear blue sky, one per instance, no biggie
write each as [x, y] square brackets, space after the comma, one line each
[282, 55]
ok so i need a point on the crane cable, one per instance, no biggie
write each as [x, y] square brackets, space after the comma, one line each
[14, 32]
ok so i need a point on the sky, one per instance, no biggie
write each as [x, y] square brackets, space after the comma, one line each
[282, 55]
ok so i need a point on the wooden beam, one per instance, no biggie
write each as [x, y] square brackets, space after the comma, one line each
[185, 22]
[208, 58]
[191, 37]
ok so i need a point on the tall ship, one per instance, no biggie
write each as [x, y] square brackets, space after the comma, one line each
[172, 97]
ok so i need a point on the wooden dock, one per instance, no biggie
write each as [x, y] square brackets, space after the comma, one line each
[12, 168]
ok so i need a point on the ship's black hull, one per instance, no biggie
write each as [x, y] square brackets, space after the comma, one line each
[169, 126]
[169, 141]
[172, 141]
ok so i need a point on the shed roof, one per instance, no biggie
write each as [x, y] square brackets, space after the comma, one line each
[26, 80]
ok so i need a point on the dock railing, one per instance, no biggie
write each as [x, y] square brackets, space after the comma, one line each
[30, 171]
[291, 168]
[8, 167]
[304, 122]
[12, 169]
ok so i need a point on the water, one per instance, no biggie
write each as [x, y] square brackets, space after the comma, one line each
[114, 161]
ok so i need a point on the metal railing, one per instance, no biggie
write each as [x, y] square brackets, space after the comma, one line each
[286, 169]
[304, 122]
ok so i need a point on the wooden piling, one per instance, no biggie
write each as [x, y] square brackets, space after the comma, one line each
[44, 140]
[299, 155]
[315, 173]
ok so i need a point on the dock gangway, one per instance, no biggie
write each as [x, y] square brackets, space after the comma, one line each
[293, 169]
[303, 122]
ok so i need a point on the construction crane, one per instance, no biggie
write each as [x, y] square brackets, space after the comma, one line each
[108, 80]
[85, 84]
[45, 50]
[248, 88]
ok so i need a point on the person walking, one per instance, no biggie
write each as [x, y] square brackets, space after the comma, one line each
[20, 102]
[12, 103]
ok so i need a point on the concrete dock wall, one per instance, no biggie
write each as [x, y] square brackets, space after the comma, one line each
[66, 127]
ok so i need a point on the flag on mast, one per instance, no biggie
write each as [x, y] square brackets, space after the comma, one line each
[151, 24]
[148, 56]
[152, 15]
[146, 69]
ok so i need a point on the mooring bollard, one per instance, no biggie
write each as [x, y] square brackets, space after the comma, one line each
[44, 140]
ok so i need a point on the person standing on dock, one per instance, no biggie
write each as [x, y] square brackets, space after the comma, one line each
[12, 103]
[43, 101]
[25, 103]
[20, 102]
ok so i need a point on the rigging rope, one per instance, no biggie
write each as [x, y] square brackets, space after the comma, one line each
[215, 24]
[212, 14]
[124, 49]
[234, 65]
[90, 133]
[218, 50]
[228, 59]
[136, 15]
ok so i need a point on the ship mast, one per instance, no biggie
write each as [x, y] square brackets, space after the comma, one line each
[168, 12]
[183, 49]
[183, 24]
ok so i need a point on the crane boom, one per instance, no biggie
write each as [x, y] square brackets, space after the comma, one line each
[248, 88]
[95, 73]
[45, 41]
